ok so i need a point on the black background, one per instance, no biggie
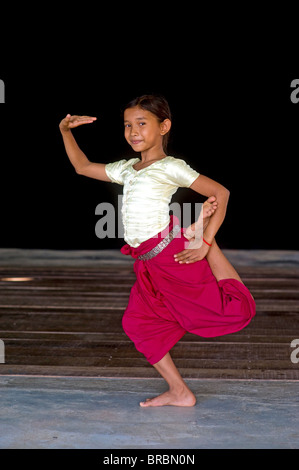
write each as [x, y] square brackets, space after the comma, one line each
[233, 121]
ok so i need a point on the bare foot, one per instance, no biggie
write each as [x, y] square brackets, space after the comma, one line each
[209, 207]
[183, 398]
[197, 228]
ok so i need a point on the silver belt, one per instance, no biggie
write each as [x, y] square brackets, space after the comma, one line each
[163, 244]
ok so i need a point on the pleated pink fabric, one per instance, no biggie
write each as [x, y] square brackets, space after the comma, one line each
[169, 299]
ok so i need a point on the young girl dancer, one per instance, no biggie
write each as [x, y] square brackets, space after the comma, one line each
[184, 283]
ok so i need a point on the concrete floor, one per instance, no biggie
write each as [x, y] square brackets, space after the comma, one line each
[101, 413]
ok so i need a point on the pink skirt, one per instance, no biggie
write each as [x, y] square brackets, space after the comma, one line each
[170, 299]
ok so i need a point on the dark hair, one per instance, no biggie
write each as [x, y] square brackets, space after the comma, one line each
[157, 105]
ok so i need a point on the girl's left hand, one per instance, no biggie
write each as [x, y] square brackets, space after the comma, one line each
[196, 251]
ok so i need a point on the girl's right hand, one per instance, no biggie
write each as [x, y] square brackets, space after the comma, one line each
[69, 122]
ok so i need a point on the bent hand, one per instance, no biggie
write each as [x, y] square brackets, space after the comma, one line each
[196, 251]
[69, 122]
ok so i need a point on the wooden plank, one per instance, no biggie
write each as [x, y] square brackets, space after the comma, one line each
[121, 363]
[278, 336]
[146, 371]
[101, 319]
[67, 321]
[124, 354]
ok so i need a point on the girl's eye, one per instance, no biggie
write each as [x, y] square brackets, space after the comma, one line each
[127, 125]
[142, 123]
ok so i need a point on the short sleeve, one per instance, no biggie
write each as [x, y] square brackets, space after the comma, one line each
[180, 173]
[114, 171]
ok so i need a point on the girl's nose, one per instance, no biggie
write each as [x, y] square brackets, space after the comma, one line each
[134, 130]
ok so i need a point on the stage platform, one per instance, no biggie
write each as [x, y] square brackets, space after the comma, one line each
[70, 370]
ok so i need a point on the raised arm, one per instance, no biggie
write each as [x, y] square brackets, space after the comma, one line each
[77, 158]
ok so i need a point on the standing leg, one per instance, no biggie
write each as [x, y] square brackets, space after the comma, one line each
[178, 394]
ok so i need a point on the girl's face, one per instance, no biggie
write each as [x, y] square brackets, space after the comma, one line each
[143, 131]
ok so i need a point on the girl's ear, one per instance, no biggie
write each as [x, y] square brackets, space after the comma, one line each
[165, 126]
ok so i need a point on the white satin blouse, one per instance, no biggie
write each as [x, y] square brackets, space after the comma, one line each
[147, 194]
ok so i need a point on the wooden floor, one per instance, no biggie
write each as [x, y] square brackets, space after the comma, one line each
[67, 322]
